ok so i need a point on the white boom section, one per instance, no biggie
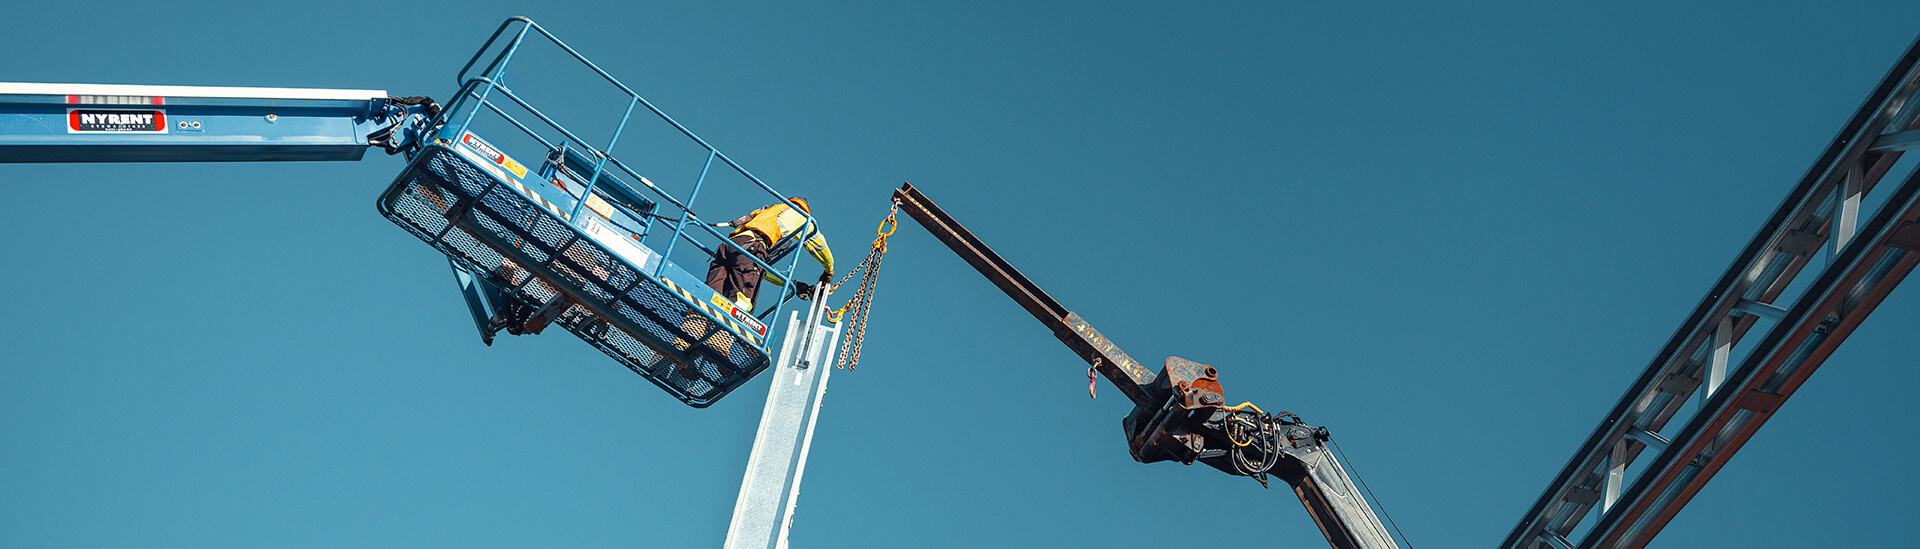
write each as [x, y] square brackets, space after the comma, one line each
[764, 512]
[137, 90]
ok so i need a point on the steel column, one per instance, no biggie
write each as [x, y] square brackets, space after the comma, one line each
[763, 514]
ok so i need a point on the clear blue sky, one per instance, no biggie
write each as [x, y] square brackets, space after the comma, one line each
[1452, 234]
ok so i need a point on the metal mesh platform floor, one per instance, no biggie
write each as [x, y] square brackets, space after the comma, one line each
[492, 230]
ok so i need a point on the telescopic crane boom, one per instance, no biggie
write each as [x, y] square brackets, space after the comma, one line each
[1180, 414]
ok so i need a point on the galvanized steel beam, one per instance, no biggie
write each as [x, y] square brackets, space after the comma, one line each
[770, 490]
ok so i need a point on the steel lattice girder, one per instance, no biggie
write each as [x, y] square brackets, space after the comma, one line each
[1862, 269]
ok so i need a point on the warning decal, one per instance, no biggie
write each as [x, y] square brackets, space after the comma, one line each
[116, 121]
[493, 155]
[752, 323]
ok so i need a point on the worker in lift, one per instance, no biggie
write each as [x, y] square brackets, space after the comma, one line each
[768, 233]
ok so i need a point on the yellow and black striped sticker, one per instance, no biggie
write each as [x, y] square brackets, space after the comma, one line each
[542, 201]
[716, 315]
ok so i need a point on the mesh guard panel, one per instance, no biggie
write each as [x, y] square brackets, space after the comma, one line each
[656, 329]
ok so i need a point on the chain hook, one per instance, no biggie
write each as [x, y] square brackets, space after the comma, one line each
[1091, 378]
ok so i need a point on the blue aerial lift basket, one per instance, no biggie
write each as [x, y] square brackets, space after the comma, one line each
[566, 238]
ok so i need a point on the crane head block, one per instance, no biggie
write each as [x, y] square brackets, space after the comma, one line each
[1191, 384]
[1189, 395]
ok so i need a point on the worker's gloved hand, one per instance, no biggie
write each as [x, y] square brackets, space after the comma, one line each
[826, 279]
[804, 289]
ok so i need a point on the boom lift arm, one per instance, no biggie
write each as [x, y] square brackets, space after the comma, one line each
[1180, 413]
[135, 123]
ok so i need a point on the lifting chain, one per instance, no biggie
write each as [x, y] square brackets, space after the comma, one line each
[861, 304]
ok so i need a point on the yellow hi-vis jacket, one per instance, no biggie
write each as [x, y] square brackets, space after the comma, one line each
[774, 224]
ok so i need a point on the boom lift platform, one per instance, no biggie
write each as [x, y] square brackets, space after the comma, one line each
[566, 242]
[575, 238]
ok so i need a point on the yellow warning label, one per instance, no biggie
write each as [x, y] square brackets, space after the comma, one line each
[722, 303]
[515, 167]
[600, 206]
